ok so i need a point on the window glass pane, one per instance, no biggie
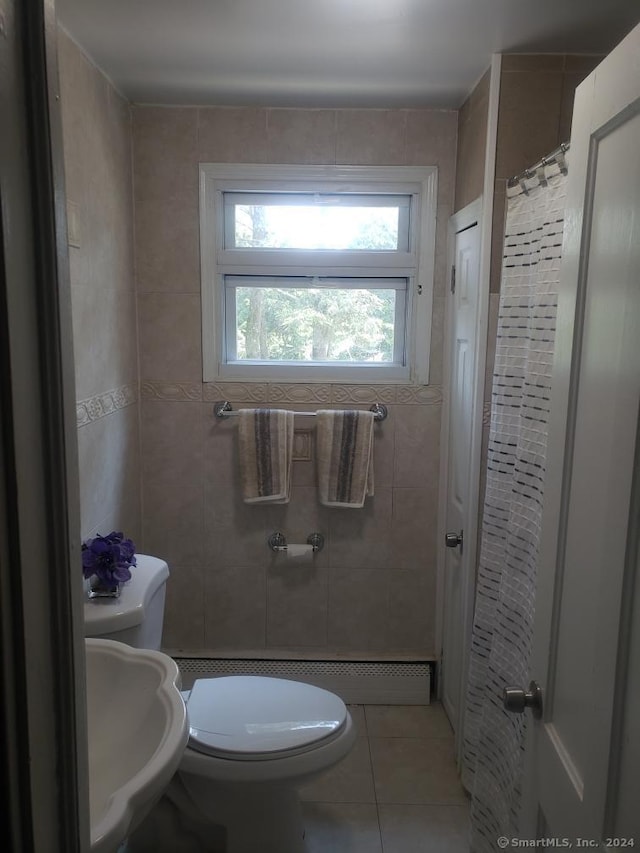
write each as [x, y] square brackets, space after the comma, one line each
[316, 324]
[319, 222]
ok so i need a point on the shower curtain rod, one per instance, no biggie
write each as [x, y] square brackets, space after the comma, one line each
[556, 156]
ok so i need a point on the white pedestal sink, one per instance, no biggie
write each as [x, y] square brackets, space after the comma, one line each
[137, 733]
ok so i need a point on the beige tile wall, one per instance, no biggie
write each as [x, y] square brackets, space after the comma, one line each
[472, 144]
[97, 154]
[371, 590]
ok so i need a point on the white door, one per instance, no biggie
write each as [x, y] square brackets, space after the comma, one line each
[458, 567]
[583, 757]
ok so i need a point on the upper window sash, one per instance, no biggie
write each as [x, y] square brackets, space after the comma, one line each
[352, 185]
[325, 222]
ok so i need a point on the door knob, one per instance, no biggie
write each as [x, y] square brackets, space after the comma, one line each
[515, 699]
[452, 540]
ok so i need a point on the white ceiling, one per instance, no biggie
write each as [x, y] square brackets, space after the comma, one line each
[327, 52]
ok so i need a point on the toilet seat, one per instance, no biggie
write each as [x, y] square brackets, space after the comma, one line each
[255, 718]
[225, 779]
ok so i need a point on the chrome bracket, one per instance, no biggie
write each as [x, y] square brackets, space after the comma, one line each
[316, 540]
[277, 542]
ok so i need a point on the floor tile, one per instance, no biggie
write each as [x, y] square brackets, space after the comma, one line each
[408, 721]
[424, 829]
[350, 781]
[397, 791]
[415, 771]
[358, 717]
[341, 828]
[166, 830]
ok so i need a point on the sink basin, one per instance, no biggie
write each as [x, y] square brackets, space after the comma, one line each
[137, 726]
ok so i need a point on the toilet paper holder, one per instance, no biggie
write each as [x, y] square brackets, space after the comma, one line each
[278, 542]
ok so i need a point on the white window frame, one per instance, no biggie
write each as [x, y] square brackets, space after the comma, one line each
[416, 265]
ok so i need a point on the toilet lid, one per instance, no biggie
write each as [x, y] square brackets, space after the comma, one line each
[253, 717]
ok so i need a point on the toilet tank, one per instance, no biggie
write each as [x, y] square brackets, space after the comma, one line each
[135, 617]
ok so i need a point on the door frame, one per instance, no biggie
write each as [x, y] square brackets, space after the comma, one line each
[481, 210]
[43, 731]
[469, 216]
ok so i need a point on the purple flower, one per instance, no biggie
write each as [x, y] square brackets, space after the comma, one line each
[109, 557]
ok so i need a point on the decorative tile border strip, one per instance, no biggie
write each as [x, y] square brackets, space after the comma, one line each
[242, 392]
[419, 395]
[93, 408]
[363, 394]
[292, 394]
[172, 391]
[300, 393]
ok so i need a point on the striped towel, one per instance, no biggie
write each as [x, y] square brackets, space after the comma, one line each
[345, 457]
[265, 453]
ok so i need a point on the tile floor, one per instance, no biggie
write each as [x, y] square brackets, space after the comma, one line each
[396, 792]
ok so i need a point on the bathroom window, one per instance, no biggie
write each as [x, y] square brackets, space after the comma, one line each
[316, 273]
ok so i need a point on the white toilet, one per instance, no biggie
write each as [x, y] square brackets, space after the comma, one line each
[252, 740]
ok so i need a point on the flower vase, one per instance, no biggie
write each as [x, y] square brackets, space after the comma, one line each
[98, 589]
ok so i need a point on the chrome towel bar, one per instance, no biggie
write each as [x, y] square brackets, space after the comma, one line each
[224, 409]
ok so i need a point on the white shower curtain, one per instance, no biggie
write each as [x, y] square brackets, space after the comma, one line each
[505, 596]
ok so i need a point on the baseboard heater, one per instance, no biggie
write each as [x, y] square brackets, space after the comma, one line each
[357, 683]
